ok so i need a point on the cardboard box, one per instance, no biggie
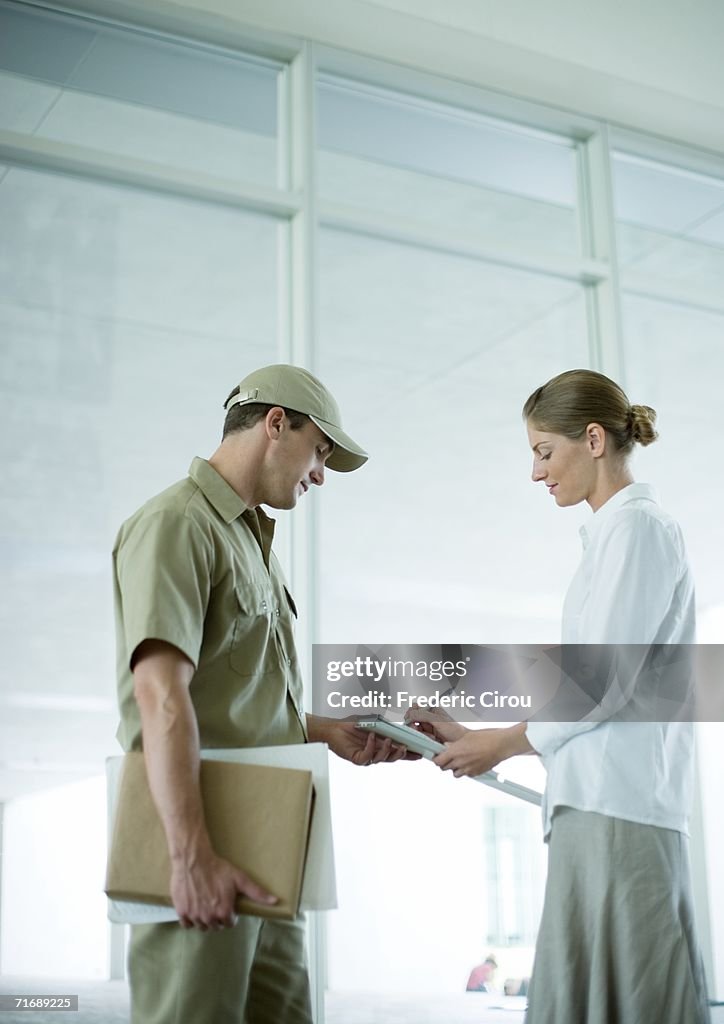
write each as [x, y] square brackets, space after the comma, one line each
[258, 818]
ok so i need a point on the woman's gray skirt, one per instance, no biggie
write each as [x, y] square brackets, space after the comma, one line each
[616, 943]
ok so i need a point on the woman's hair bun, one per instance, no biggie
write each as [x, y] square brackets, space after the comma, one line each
[643, 424]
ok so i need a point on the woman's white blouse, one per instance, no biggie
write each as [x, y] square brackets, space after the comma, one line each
[633, 586]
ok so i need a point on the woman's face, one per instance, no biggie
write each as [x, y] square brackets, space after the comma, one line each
[567, 468]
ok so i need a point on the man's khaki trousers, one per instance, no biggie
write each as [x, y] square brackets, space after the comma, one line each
[253, 973]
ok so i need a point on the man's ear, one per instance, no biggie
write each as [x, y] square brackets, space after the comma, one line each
[274, 422]
[596, 439]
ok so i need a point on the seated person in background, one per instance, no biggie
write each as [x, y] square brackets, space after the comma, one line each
[481, 977]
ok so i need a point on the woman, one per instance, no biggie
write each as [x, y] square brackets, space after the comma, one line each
[616, 943]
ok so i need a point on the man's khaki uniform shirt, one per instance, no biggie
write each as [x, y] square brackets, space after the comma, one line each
[194, 567]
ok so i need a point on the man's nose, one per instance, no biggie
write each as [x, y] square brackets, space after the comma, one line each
[317, 475]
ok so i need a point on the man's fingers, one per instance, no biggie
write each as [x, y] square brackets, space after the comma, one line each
[398, 752]
[210, 922]
[227, 922]
[389, 752]
[383, 752]
[364, 756]
[206, 899]
[255, 892]
[379, 751]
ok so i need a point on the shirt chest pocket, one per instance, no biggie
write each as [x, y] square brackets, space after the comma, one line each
[287, 616]
[253, 646]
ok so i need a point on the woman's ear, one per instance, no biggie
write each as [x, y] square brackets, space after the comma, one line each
[596, 439]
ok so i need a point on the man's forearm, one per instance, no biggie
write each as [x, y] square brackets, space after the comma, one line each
[204, 887]
[171, 751]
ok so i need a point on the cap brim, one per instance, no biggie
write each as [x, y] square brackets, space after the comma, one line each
[347, 454]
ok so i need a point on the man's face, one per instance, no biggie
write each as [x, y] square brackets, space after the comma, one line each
[296, 462]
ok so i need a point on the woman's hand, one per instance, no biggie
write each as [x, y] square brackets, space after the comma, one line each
[480, 750]
[436, 723]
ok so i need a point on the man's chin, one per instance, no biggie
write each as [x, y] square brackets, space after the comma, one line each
[282, 504]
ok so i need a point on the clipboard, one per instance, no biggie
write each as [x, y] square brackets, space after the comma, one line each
[421, 743]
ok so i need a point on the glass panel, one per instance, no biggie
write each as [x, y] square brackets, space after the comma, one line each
[54, 855]
[435, 355]
[411, 158]
[670, 226]
[433, 874]
[670, 230]
[126, 319]
[131, 94]
[442, 537]
[675, 363]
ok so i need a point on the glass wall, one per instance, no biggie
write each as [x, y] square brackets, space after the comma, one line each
[670, 231]
[670, 228]
[126, 318]
[444, 349]
[54, 857]
[406, 156]
[126, 93]
[448, 272]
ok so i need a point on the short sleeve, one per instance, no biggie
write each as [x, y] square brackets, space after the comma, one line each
[163, 567]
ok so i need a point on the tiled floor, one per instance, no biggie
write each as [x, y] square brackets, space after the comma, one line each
[465, 1008]
[106, 1002]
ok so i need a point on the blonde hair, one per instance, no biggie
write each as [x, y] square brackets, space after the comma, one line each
[572, 400]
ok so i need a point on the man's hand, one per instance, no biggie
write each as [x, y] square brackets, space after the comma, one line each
[480, 750]
[356, 745]
[362, 747]
[204, 891]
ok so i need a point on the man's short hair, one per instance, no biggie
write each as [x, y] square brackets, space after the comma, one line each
[245, 416]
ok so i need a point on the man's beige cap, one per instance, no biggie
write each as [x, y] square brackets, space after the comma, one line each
[295, 388]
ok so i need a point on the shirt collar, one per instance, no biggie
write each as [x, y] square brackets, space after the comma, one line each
[631, 493]
[216, 490]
